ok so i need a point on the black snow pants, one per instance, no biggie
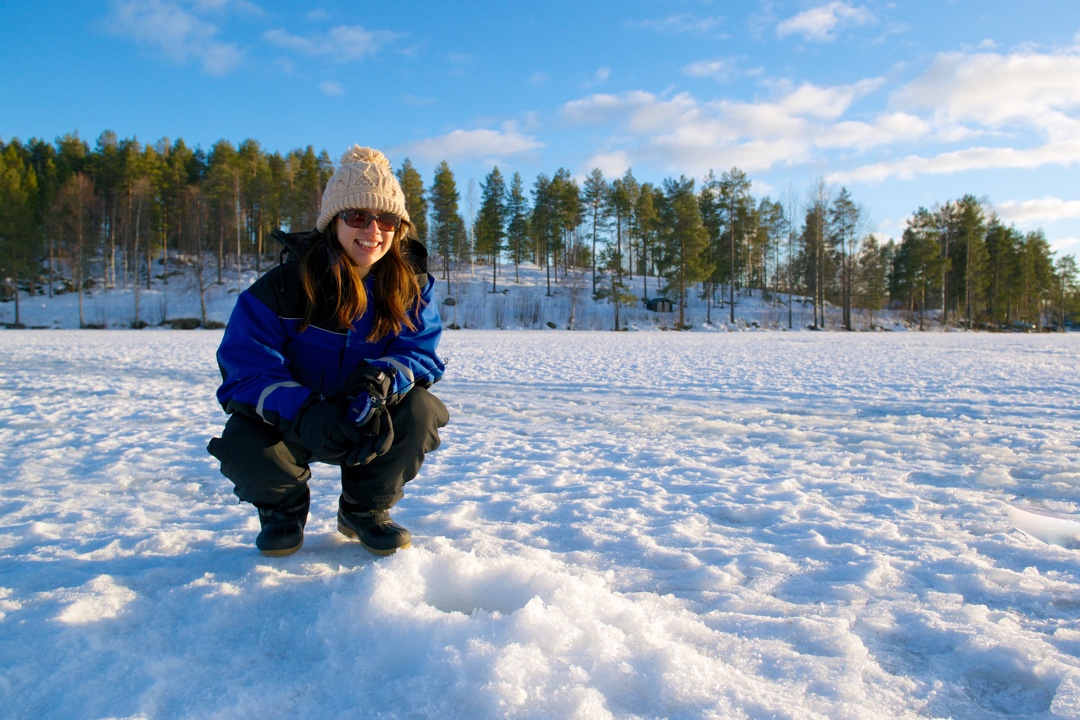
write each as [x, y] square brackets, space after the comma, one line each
[268, 471]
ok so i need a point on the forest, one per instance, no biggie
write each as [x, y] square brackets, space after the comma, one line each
[122, 214]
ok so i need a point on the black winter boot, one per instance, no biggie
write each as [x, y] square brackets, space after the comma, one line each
[373, 528]
[283, 526]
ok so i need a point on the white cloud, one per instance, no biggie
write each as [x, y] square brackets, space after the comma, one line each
[958, 99]
[292, 42]
[332, 88]
[684, 23]
[602, 108]
[417, 101]
[821, 23]
[178, 34]
[707, 68]
[599, 78]
[353, 41]
[612, 164]
[886, 129]
[530, 121]
[690, 151]
[684, 134]
[1037, 212]
[1025, 98]
[513, 126]
[998, 90]
[1065, 246]
[471, 144]
[827, 103]
[968, 159]
[226, 5]
[343, 43]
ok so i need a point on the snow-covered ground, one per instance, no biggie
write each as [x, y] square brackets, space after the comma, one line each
[521, 300]
[630, 525]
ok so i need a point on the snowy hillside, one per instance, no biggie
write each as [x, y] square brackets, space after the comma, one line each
[676, 525]
[521, 301]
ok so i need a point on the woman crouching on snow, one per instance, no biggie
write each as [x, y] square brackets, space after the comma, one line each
[329, 358]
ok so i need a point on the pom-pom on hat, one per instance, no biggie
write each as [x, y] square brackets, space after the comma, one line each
[364, 180]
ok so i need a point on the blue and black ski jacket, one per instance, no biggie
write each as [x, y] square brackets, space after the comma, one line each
[270, 368]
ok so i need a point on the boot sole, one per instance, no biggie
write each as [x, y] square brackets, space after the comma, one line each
[282, 553]
[348, 532]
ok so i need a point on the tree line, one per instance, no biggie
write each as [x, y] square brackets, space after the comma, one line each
[123, 214]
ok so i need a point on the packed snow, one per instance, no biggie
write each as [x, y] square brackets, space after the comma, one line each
[627, 525]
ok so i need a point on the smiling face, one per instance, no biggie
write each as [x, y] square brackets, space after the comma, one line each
[366, 246]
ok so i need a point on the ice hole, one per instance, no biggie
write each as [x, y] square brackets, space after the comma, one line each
[466, 587]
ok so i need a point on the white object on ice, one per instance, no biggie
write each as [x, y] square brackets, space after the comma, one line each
[1050, 527]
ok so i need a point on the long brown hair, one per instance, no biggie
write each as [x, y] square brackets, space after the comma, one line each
[335, 291]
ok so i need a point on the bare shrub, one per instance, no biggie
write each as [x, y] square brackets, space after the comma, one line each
[499, 313]
[527, 311]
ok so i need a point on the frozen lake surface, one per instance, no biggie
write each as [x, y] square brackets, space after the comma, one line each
[628, 525]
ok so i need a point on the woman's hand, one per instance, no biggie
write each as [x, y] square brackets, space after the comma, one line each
[365, 392]
[330, 436]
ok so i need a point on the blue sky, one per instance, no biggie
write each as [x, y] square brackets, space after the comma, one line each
[907, 104]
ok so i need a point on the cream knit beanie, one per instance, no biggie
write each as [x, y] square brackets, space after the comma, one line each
[364, 181]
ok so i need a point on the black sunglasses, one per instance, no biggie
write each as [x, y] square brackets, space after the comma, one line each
[388, 222]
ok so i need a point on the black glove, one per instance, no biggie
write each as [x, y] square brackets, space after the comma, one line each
[322, 428]
[366, 390]
[365, 397]
[365, 400]
[325, 431]
[378, 437]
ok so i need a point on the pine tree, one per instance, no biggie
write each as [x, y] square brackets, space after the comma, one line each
[567, 208]
[594, 196]
[646, 220]
[517, 226]
[772, 231]
[107, 170]
[1002, 244]
[491, 221]
[1036, 278]
[871, 273]
[971, 257]
[845, 219]
[611, 287]
[309, 174]
[712, 218]
[791, 205]
[734, 193]
[623, 197]
[178, 169]
[121, 254]
[257, 197]
[75, 214]
[817, 257]
[415, 201]
[18, 239]
[918, 261]
[544, 223]
[224, 178]
[72, 156]
[41, 157]
[685, 239]
[447, 231]
[1065, 271]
